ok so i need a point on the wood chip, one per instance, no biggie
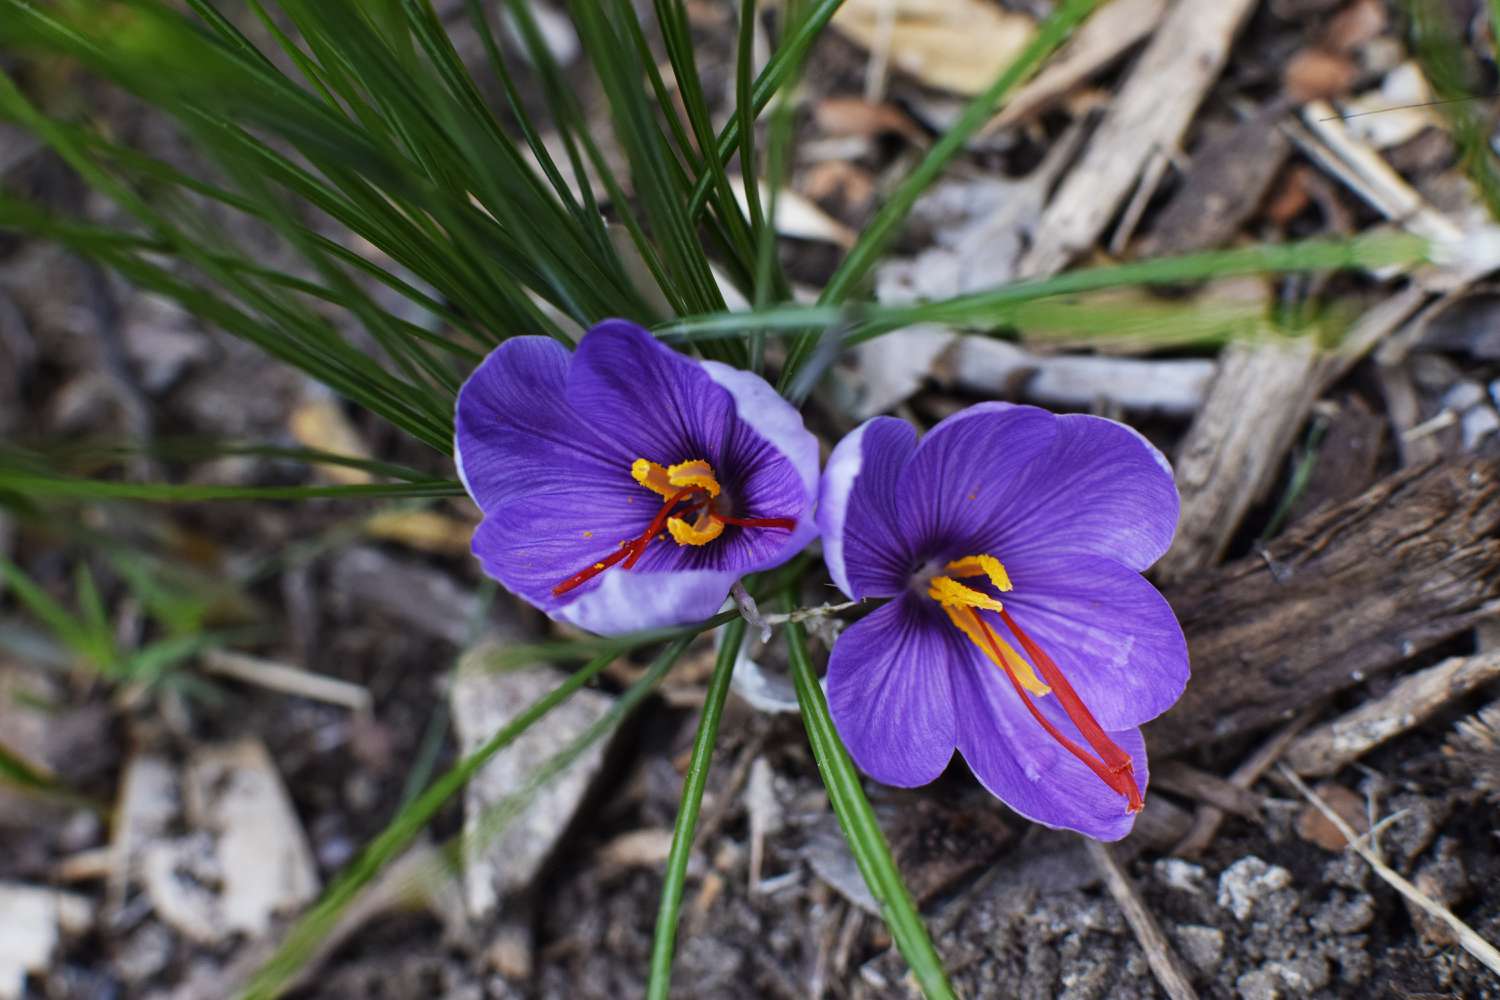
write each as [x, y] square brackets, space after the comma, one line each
[483, 700]
[1408, 704]
[33, 920]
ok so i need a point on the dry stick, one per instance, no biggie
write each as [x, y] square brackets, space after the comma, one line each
[1206, 821]
[287, 679]
[1152, 112]
[1329, 747]
[1184, 779]
[1159, 954]
[1467, 937]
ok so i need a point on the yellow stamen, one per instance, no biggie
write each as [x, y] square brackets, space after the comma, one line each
[951, 594]
[703, 530]
[956, 599]
[981, 566]
[694, 473]
[653, 477]
[668, 481]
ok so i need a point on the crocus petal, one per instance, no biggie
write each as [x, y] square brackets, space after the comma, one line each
[889, 692]
[864, 545]
[962, 480]
[630, 601]
[1112, 634]
[1014, 757]
[651, 401]
[1101, 489]
[513, 424]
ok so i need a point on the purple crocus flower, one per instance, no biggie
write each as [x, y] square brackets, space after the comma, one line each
[1007, 526]
[626, 486]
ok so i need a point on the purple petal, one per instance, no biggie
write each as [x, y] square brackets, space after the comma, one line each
[962, 482]
[652, 402]
[630, 601]
[864, 545]
[1110, 632]
[1101, 489]
[889, 692]
[513, 423]
[1015, 758]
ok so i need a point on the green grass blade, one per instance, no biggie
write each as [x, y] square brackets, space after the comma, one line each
[30, 484]
[19, 774]
[857, 820]
[998, 306]
[675, 877]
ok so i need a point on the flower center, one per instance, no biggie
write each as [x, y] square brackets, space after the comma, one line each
[964, 603]
[694, 511]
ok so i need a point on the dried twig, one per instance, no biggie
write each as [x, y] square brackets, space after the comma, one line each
[1210, 789]
[1466, 936]
[287, 679]
[1159, 955]
[1331, 746]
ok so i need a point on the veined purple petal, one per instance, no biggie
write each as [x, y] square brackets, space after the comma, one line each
[962, 481]
[650, 401]
[1101, 489]
[1109, 630]
[889, 691]
[864, 545]
[629, 601]
[513, 422]
[1015, 758]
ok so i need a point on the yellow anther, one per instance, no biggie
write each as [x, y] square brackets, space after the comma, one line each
[951, 594]
[1017, 664]
[669, 481]
[703, 530]
[694, 473]
[981, 566]
[653, 477]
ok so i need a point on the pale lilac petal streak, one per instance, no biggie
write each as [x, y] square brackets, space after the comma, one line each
[650, 401]
[889, 691]
[1014, 757]
[962, 480]
[1101, 489]
[1112, 634]
[629, 601]
[864, 542]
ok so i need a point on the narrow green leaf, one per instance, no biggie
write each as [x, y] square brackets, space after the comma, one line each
[90, 489]
[675, 877]
[871, 852]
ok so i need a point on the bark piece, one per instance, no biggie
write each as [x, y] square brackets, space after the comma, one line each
[1350, 593]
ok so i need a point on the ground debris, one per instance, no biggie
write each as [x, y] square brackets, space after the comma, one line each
[483, 700]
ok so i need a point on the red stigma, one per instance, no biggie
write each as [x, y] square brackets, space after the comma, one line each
[1113, 765]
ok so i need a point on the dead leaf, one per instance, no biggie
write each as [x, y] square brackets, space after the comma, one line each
[955, 45]
[1356, 26]
[797, 217]
[320, 423]
[843, 116]
[423, 530]
[1316, 828]
[1316, 75]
